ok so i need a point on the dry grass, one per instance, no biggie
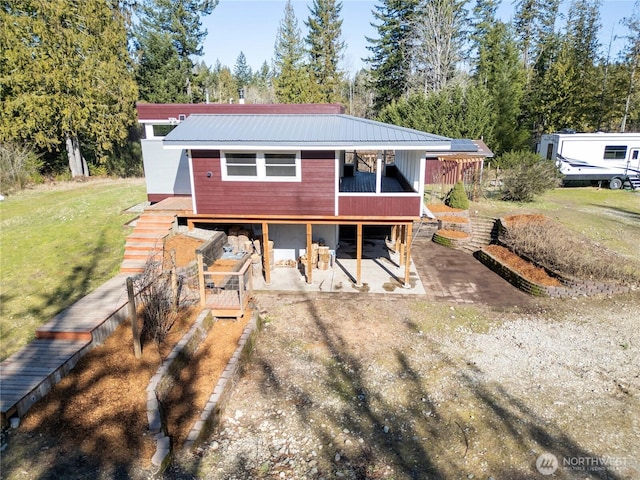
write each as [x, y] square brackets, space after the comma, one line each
[561, 250]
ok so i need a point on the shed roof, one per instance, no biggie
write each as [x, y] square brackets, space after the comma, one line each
[314, 131]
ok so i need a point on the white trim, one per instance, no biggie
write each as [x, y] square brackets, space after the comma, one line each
[308, 147]
[338, 174]
[191, 179]
[261, 168]
[383, 194]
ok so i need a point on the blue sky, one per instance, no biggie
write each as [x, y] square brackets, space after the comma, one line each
[250, 26]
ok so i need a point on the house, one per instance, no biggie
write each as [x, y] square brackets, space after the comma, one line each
[296, 174]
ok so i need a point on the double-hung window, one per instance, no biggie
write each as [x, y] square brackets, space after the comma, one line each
[261, 166]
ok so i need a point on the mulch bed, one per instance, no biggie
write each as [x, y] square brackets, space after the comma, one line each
[442, 208]
[452, 233]
[453, 219]
[528, 270]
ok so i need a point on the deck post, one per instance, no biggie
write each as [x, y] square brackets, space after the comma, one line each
[266, 253]
[309, 254]
[359, 255]
[407, 263]
[137, 349]
[203, 300]
[403, 243]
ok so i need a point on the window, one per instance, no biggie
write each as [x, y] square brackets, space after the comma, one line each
[280, 164]
[615, 152]
[162, 130]
[241, 165]
[259, 166]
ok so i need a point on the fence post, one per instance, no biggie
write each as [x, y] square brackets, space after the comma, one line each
[137, 349]
[203, 300]
[174, 282]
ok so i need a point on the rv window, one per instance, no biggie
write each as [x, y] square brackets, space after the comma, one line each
[615, 152]
[634, 154]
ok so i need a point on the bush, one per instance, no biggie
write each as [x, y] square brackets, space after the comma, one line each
[527, 175]
[553, 246]
[19, 167]
[457, 197]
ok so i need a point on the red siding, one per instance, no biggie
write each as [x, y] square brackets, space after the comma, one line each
[376, 206]
[164, 111]
[314, 195]
[448, 171]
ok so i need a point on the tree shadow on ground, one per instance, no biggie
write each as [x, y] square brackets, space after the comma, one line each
[406, 428]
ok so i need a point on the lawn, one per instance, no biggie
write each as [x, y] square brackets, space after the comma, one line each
[58, 243]
[610, 217]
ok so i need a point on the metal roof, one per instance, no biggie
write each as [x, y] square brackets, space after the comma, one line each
[314, 131]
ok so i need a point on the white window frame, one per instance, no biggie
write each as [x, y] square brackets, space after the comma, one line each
[261, 167]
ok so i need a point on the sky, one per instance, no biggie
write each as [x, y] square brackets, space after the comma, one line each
[250, 26]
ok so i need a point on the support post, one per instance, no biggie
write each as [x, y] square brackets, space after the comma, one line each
[174, 282]
[266, 253]
[137, 348]
[309, 254]
[203, 299]
[359, 255]
[403, 242]
[407, 263]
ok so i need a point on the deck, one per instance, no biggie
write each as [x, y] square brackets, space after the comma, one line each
[365, 182]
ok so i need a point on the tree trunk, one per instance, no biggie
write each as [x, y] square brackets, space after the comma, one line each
[77, 163]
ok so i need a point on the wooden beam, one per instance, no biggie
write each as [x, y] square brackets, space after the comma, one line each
[403, 241]
[266, 254]
[407, 263]
[359, 255]
[309, 254]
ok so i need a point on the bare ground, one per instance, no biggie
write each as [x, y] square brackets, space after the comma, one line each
[348, 387]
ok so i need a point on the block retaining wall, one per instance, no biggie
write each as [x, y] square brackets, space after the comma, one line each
[450, 242]
[569, 288]
[164, 379]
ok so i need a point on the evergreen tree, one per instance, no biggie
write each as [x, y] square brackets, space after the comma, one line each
[291, 78]
[242, 71]
[325, 47]
[390, 60]
[167, 37]
[65, 77]
[631, 113]
[535, 26]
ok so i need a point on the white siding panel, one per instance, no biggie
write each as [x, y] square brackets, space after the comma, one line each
[166, 171]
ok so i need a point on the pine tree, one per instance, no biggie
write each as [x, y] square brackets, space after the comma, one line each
[167, 37]
[291, 79]
[242, 71]
[631, 113]
[390, 60]
[65, 76]
[325, 47]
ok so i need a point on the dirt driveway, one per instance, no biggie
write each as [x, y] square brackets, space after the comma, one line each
[379, 386]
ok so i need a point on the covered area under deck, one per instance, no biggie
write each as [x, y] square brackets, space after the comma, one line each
[399, 241]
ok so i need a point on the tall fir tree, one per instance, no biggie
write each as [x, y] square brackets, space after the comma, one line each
[242, 71]
[166, 38]
[631, 111]
[390, 59]
[66, 77]
[291, 78]
[325, 47]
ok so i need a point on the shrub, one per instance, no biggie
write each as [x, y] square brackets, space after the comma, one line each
[19, 166]
[457, 197]
[560, 250]
[527, 175]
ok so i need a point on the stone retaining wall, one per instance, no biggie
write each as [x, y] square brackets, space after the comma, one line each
[569, 288]
[165, 378]
[450, 242]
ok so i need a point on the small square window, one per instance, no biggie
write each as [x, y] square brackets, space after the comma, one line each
[280, 164]
[241, 165]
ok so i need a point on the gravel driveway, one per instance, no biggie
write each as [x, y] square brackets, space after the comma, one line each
[364, 386]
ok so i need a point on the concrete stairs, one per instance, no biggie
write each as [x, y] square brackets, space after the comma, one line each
[146, 240]
[484, 232]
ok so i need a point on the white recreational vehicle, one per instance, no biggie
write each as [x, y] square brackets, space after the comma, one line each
[612, 158]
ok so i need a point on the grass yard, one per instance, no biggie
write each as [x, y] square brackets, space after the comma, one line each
[610, 217]
[58, 243]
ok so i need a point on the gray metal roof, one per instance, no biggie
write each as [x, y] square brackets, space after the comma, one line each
[297, 130]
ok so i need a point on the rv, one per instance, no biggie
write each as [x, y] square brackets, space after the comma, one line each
[598, 158]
